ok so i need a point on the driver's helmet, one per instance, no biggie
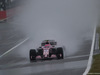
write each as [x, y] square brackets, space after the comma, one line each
[47, 42]
[47, 46]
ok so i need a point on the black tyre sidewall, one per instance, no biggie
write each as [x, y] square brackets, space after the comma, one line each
[33, 54]
[59, 51]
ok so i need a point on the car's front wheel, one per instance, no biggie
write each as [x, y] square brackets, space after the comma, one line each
[32, 54]
[60, 53]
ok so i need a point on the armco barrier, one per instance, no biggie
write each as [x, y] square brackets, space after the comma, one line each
[9, 13]
[3, 15]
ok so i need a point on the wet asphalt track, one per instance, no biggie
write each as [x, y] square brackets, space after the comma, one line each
[16, 62]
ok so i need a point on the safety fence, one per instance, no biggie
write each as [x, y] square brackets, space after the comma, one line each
[7, 8]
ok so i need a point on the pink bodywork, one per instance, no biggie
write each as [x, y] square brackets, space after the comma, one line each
[46, 49]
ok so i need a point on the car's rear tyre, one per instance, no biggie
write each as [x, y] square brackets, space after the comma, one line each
[50, 54]
[60, 53]
[32, 54]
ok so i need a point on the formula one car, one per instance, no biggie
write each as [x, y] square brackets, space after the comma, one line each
[48, 49]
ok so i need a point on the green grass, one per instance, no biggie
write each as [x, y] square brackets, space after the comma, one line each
[95, 68]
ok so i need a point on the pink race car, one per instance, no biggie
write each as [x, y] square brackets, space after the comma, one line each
[48, 49]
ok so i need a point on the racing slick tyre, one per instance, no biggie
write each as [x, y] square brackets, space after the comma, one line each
[60, 53]
[50, 54]
[32, 54]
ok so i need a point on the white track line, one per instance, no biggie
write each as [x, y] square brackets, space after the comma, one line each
[77, 56]
[4, 19]
[91, 54]
[13, 47]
